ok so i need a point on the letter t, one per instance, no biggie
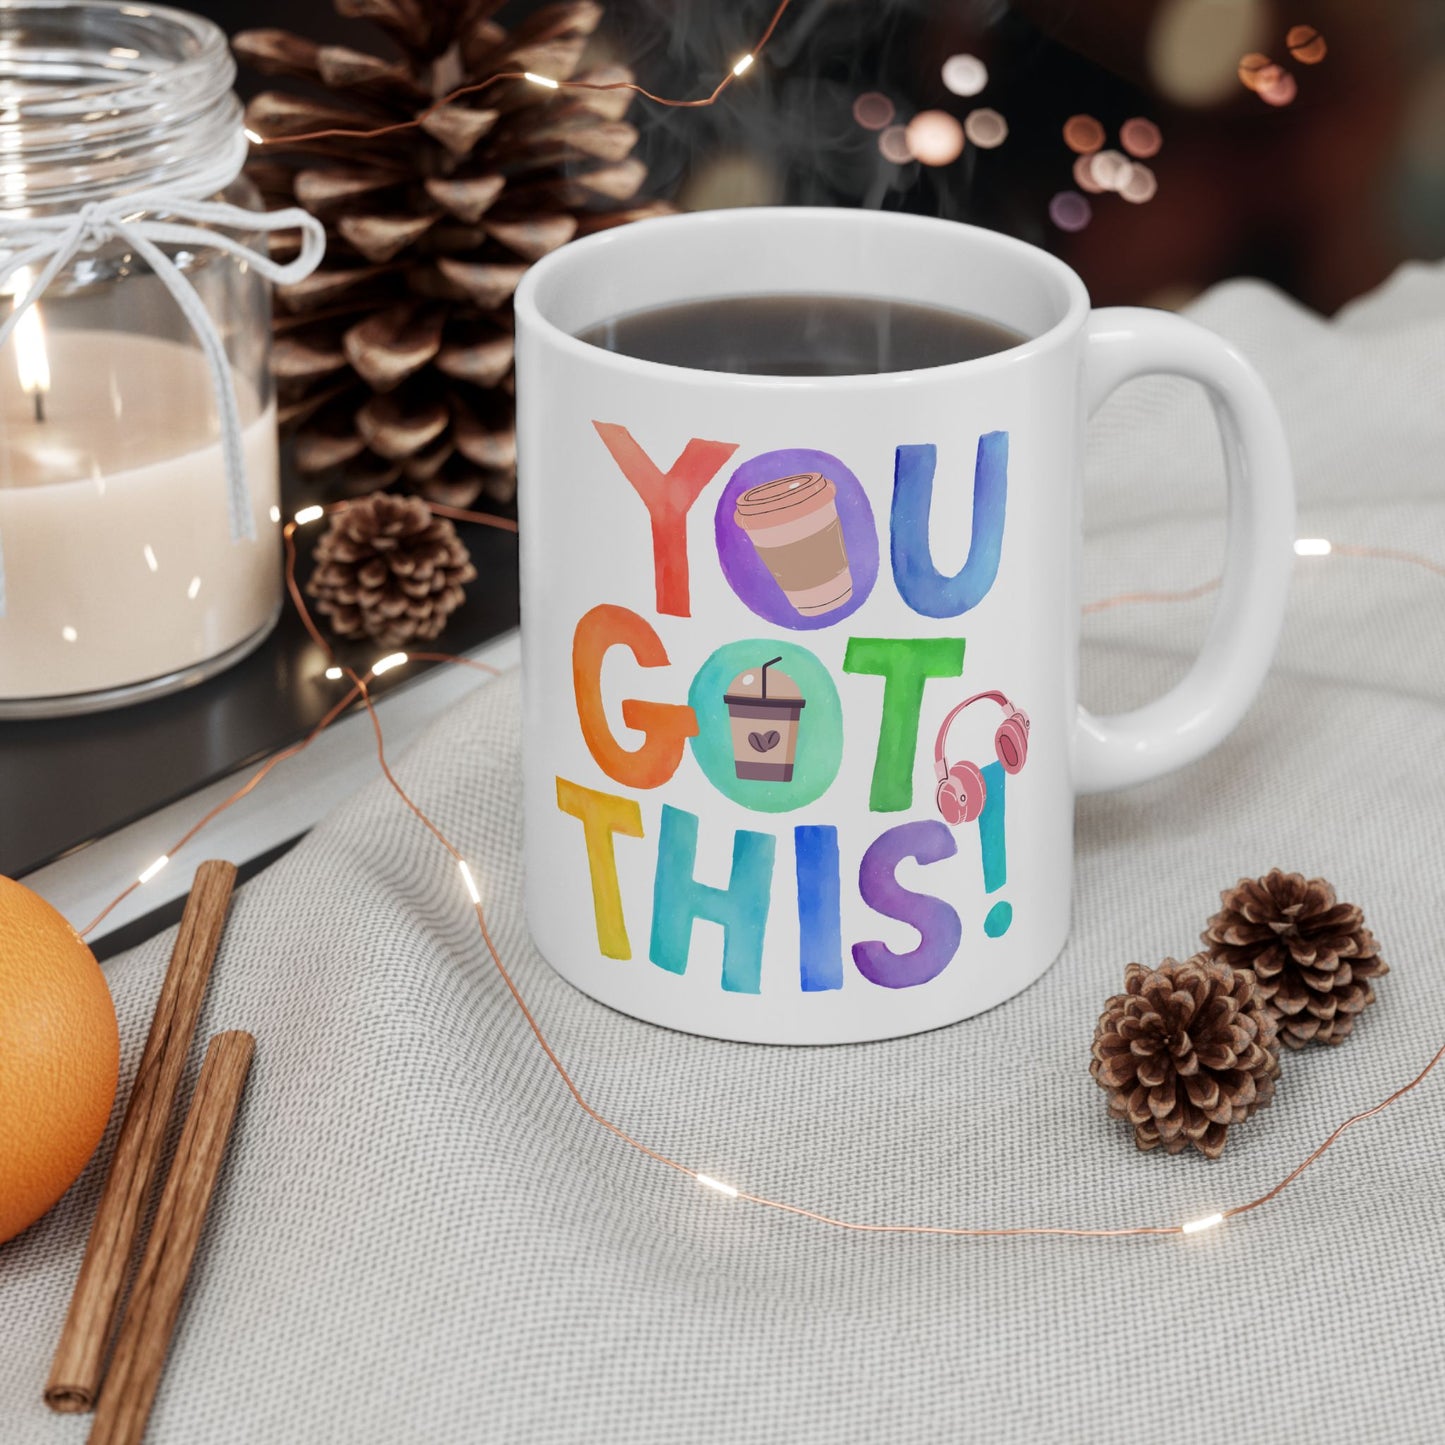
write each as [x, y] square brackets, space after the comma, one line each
[905, 664]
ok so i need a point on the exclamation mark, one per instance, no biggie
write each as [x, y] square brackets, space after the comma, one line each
[994, 849]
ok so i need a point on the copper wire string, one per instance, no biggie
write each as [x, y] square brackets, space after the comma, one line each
[1189, 594]
[1130, 599]
[1387, 554]
[360, 690]
[344, 132]
[254, 781]
[1348, 1124]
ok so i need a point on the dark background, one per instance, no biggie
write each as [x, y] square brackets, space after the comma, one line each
[1323, 196]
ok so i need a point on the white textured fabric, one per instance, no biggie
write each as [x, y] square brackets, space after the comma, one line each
[418, 1236]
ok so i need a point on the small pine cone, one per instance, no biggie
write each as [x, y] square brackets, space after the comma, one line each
[1313, 957]
[1184, 1052]
[387, 569]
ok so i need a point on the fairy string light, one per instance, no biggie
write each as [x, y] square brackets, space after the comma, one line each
[740, 67]
[360, 691]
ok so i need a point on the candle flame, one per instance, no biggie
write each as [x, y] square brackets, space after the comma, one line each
[32, 361]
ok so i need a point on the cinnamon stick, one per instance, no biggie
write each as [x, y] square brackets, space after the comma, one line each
[79, 1362]
[155, 1298]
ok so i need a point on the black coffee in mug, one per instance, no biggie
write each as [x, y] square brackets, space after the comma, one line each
[801, 335]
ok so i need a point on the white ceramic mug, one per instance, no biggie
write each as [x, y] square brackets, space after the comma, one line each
[750, 604]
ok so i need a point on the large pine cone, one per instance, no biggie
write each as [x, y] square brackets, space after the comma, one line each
[1185, 1051]
[394, 360]
[388, 570]
[1313, 957]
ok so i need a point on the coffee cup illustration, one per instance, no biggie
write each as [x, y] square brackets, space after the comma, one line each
[793, 524]
[763, 711]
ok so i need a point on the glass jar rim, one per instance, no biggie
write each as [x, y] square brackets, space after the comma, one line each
[99, 98]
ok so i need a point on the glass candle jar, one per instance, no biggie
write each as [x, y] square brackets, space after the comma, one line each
[130, 568]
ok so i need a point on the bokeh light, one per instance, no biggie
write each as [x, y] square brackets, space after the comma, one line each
[985, 128]
[873, 110]
[1266, 77]
[1141, 184]
[1279, 89]
[894, 144]
[1070, 211]
[1306, 44]
[1194, 46]
[1140, 137]
[964, 74]
[1084, 175]
[1252, 66]
[935, 137]
[1110, 169]
[1083, 134]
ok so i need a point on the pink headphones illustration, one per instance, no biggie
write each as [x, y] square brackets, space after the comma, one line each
[961, 789]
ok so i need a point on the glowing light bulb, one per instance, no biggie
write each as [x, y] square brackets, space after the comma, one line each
[873, 110]
[256, 140]
[385, 664]
[309, 514]
[1140, 137]
[545, 80]
[333, 674]
[1083, 134]
[985, 128]
[1306, 44]
[934, 137]
[1312, 547]
[1198, 1226]
[1069, 211]
[893, 144]
[742, 65]
[964, 74]
[149, 873]
[471, 882]
[708, 1182]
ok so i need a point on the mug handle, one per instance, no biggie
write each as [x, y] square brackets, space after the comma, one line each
[1124, 342]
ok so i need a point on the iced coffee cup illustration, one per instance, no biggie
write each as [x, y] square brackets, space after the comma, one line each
[793, 523]
[763, 709]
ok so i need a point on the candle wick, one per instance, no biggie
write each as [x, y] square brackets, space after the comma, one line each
[39, 404]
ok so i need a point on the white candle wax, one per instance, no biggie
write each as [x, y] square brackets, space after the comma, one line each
[119, 562]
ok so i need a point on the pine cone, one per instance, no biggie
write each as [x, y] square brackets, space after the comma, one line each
[394, 360]
[1185, 1051]
[1312, 956]
[388, 570]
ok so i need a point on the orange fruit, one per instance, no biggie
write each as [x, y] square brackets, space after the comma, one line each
[59, 1056]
